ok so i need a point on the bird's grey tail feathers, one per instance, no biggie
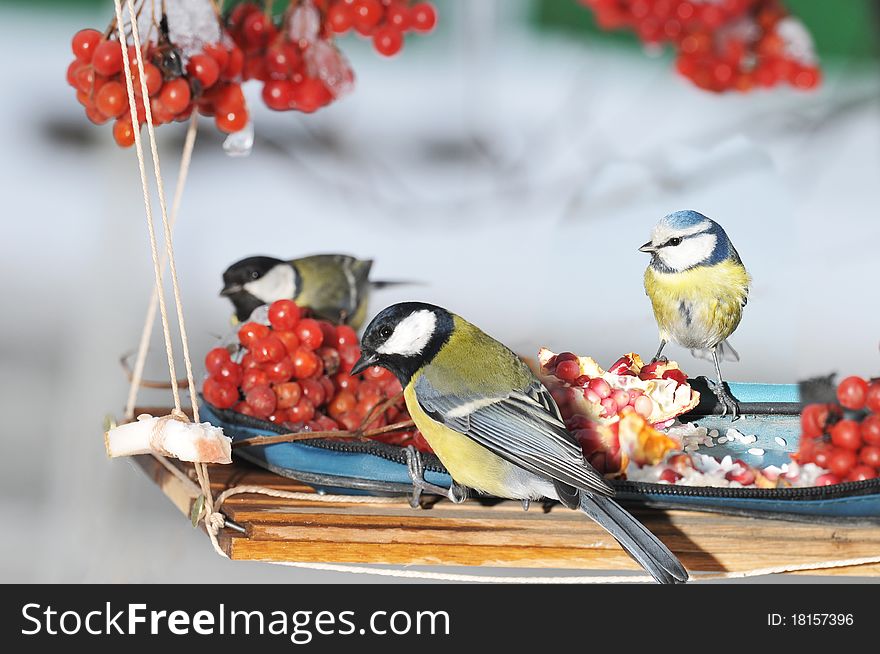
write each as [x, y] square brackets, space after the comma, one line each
[386, 283]
[635, 538]
[725, 353]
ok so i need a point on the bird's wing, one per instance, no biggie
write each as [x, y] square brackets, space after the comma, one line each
[523, 427]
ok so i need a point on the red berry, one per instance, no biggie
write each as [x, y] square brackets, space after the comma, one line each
[348, 355]
[84, 43]
[813, 419]
[330, 358]
[152, 75]
[247, 361]
[387, 40]
[205, 69]
[107, 58]
[345, 335]
[870, 456]
[344, 402]
[288, 394]
[828, 479]
[345, 382]
[215, 358]
[230, 122]
[268, 348]
[367, 14]
[230, 372]
[257, 29]
[872, 399]
[841, 461]
[305, 363]
[253, 377]
[175, 95]
[219, 54]
[284, 314]
[234, 65]
[852, 393]
[310, 95]
[262, 400]
[329, 386]
[250, 332]
[302, 411]
[310, 334]
[861, 473]
[123, 132]
[111, 99]
[423, 17]
[278, 94]
[280, 371]
[290, 340]
[221, 394]
[847, 434]
[397, 15]
[314, 391]
[870, 429]
[244, 408]
[822, 454]
[340, 17]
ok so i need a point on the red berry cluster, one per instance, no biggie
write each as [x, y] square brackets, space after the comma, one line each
[295, 372]
[844, 438]
[208, 81]
[384, 21]
[296, 60]
[721, 45]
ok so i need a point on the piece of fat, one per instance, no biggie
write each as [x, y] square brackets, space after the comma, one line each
[187, 441]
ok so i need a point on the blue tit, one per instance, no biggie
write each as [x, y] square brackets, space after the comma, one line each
[698, 287]
[335, 287]
[494, 425]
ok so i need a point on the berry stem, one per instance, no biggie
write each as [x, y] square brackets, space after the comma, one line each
[404, 425]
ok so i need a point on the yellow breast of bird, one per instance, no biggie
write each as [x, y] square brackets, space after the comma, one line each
[699, 307]
[469, 464]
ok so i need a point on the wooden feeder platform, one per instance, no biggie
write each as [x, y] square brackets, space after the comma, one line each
[500, 535]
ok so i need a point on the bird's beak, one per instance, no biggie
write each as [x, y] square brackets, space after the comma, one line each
[367, 359]
[231, 289]
[648, 247]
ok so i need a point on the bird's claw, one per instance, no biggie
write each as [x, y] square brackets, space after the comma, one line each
[416, 468]
[660, 359]
[727, 401]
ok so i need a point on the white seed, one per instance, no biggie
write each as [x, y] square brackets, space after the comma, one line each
[722, 440]
[780, 441]
[750, 439]
[757, 451]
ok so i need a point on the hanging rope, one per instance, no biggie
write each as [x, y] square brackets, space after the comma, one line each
[137, 374]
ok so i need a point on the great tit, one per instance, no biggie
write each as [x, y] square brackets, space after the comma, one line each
[698, 287]
[494, 425]
[335, 287]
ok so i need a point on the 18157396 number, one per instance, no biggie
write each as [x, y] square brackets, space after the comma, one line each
[810, 620]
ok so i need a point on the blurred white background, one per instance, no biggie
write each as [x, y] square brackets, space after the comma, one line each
[514, 172]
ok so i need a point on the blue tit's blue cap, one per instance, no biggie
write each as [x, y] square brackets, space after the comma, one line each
[684, 219]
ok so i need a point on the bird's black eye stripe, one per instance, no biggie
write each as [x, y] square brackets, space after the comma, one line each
[673, 242]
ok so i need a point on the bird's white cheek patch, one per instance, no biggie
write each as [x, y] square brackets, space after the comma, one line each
[411, 334]
[277, 284]
[692, 251]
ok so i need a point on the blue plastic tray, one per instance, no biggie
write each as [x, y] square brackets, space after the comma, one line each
[769, 410]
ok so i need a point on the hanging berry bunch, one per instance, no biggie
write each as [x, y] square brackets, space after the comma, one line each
[721, 45]
[296, 57]
[384, 21]
[178, 81]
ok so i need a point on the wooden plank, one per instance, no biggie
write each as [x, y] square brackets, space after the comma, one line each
[503, 535]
